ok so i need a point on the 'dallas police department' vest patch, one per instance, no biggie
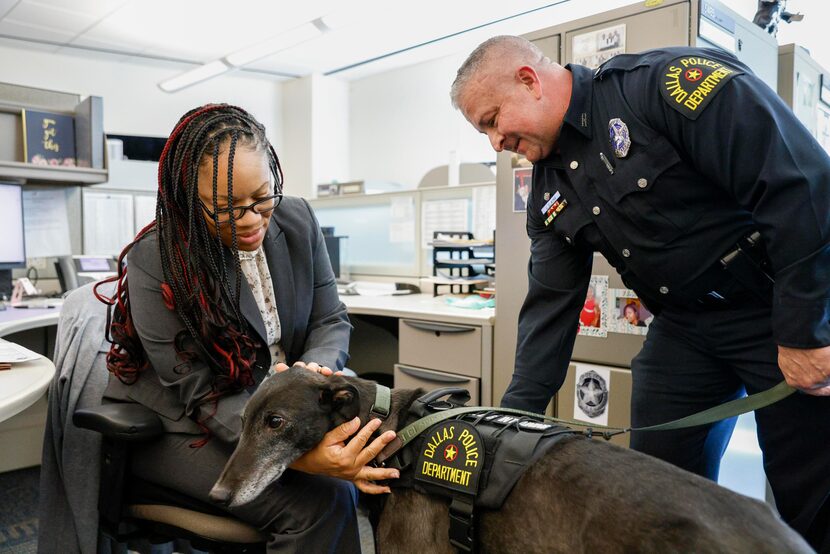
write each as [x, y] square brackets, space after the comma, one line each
[451, 456]
[690, 82]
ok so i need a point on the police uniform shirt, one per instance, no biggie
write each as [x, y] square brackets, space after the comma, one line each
[714, 154]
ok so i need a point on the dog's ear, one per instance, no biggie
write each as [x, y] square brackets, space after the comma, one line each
[342, 400]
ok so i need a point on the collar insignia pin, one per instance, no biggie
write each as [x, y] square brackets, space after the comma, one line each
[620, 139]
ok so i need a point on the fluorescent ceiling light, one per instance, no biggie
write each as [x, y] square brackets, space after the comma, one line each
[194, 76]
[293, 37]
[341, 18]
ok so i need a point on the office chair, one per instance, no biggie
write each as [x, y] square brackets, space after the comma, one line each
[129, 508]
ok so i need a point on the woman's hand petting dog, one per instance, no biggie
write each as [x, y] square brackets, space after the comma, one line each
[311, 366]
[335, 458]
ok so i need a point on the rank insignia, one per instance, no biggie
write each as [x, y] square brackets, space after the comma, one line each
[620, 139]
[690, 82]
[452, 456]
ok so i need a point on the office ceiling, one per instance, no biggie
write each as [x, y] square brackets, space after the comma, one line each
[365, 36]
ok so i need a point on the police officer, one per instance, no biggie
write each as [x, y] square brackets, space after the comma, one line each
[701, 188]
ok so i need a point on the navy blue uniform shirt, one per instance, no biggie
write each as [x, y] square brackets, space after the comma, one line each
[714, 154]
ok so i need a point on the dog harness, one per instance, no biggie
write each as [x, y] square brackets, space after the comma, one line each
[473, 458]
[475, 455]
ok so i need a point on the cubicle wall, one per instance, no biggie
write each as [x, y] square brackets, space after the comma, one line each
[388, 233]
[805, 86]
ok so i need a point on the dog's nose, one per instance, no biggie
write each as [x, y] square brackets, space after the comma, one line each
[220, 494]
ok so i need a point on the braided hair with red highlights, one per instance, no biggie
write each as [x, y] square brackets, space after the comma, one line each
[196, 284]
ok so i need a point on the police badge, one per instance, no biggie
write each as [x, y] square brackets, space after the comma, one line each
[620, 140]
[592, 394]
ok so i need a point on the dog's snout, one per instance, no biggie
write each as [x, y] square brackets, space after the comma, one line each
[220, 494]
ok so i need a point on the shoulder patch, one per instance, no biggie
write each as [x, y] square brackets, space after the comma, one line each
[690, 82]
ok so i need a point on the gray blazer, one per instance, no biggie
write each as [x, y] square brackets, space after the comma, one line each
[315, 327]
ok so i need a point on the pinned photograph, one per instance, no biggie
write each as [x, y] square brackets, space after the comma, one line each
[630, 315]
[594, 48]
[593, 318]
[521, 187]
[591, 394]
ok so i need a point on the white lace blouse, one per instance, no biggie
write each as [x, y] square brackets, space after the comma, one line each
[255, 267]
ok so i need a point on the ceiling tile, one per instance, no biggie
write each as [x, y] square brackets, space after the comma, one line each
[202, 30]
[6, 5]
[28, 46]
[35, 32]
[94, 8]
[58, 19]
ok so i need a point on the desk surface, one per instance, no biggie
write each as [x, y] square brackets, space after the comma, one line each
[23, 384]
[417, 306]
[14, 320]
[414, 306]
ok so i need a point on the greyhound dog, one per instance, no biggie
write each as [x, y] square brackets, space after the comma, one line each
[581, 496]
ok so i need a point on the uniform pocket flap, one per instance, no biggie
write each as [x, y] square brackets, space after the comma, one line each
[639, 172]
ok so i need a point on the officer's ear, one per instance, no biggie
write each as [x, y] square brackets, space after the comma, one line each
[528, 77]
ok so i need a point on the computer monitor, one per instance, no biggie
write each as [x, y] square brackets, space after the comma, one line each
[12, 242]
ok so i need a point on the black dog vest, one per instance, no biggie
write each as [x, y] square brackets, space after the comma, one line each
[474, 459]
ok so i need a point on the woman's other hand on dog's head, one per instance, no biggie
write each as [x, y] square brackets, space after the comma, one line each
[311, 366]
[348, 460]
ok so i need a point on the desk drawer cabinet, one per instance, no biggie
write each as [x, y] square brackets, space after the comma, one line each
[407, 377]
[441, 346]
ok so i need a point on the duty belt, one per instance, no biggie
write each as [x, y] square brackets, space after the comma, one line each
[747, 266]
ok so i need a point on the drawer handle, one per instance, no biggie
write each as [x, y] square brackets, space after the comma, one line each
[435, 377]
[437, 327]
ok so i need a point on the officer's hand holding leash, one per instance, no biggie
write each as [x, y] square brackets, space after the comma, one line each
[807, 369]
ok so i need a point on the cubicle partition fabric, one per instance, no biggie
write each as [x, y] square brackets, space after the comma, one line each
[388, 234]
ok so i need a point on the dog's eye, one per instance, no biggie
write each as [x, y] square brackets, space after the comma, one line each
[274, 421]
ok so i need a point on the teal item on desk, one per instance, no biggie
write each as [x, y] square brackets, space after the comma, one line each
[472, 302]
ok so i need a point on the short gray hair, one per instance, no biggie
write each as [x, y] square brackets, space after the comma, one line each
[498, 48]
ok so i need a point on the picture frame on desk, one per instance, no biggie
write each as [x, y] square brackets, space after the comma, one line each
[354, 187]
[48, 138]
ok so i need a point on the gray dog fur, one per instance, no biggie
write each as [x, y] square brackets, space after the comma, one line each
[583, 496]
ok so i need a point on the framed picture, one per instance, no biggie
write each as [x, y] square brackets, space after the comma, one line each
[593, 319]
[521, 187]
[48, 138]
[629, 315]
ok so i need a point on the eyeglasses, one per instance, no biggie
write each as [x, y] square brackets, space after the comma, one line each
[261, 206]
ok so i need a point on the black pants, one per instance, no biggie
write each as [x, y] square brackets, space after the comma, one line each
[692, 361]
[302, 513]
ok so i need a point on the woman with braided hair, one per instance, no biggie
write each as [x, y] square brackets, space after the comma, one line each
[232, 282]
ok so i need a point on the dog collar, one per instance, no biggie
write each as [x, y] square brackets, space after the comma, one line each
[383, 402]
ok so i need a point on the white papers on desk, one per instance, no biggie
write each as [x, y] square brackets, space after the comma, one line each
[402, 222]
[46, 222]
[372, 288]
[108, 222]
[484, 212]
[14, 353]
[145, 211]
[443, 215]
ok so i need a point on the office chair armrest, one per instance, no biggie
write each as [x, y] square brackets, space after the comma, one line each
[124, 421]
